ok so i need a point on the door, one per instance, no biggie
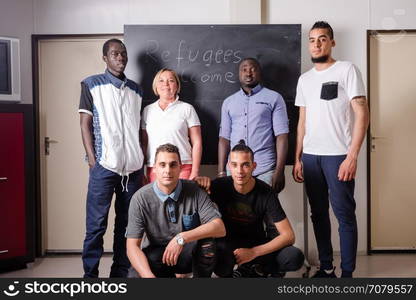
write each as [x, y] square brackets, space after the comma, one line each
[63, 63]
[393, 138]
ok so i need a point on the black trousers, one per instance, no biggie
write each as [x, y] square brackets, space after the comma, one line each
[284, 260]
[198, 257]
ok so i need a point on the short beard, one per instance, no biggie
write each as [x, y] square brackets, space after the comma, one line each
[252, 85]
[320, 59]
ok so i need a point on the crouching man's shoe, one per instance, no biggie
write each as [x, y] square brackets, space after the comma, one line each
[325, 274]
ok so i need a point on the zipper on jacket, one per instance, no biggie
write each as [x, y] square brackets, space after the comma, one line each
[122, 128]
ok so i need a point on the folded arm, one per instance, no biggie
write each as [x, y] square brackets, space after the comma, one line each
[285, 238]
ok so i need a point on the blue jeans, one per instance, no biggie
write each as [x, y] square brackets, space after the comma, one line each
[101, 187]
[322, 185]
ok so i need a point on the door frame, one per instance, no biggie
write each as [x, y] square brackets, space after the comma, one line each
[369, 250]
[36, 39]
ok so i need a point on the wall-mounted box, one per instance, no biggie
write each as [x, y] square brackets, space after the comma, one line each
[10, 69]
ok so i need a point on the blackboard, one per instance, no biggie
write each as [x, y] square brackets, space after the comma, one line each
[206, 58]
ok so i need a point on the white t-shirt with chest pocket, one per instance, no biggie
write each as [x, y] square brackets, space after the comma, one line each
[326, 95]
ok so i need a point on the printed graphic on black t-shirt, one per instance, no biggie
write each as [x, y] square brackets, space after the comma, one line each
[241, 211]
[243, 215]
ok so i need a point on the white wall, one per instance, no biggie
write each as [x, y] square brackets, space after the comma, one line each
[109, 16]
[392, 14]
[350, 19]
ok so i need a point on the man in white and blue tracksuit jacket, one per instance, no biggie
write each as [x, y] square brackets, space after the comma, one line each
[110, 120]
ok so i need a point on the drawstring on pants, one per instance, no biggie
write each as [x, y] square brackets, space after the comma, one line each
[125, 187]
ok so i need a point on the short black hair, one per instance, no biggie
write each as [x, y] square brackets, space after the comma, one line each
[324, 25]
[168, 148]
[242, 147]
[106, 45]
[254, 60]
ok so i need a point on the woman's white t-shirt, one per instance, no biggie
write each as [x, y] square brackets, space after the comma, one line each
[169, 126]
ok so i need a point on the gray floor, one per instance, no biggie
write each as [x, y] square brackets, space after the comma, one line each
[67, 266]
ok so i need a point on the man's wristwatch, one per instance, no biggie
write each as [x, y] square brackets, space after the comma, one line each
[222, 173]
[180, 240]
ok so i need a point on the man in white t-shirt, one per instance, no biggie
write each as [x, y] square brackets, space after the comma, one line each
[333, 119]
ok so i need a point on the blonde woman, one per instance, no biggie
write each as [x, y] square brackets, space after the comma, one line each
[170, 120]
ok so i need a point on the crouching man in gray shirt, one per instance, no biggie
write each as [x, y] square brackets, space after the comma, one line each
[180, 222]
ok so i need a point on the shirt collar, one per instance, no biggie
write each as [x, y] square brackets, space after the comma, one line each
[174, 195]
[176, 101]
[117, 82]
[254, 90]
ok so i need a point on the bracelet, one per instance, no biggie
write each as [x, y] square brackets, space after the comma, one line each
[222, 173]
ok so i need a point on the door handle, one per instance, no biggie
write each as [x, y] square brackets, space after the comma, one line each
[3, 251]
[377, 137]
[3, 179]
[373, 138]
[48, 141]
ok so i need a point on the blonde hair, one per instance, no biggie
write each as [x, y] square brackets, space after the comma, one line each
[155, 80]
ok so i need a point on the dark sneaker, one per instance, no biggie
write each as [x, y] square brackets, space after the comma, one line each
[277, 275]
[325, 274]
[253, 271]
[241, 271]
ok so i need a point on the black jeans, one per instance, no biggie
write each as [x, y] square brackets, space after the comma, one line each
[198, 257]
[284, 260]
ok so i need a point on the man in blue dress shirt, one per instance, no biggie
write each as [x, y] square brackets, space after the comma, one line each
[258, 116]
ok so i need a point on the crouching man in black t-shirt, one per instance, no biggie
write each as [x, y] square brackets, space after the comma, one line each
[244, 202]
